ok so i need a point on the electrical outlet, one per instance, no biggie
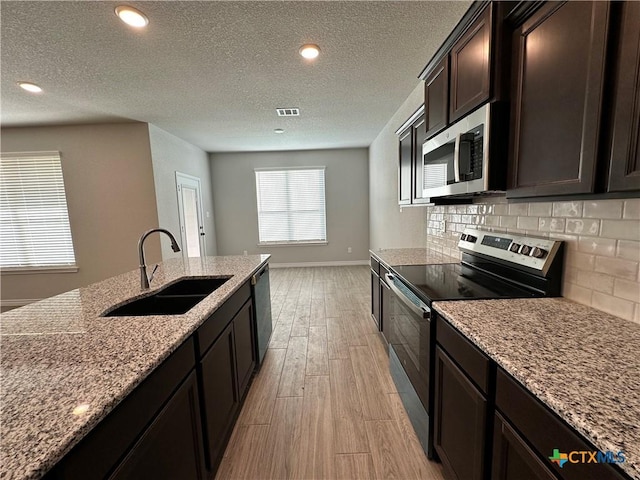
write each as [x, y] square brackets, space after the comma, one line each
[348, 249]
[245, 252]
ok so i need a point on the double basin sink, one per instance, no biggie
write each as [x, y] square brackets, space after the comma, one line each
[174, 299]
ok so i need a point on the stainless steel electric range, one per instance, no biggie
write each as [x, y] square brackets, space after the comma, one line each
[494, 265]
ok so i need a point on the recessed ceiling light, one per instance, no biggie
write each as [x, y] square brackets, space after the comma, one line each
[30, 87]
[278, 130]
[131, 16]
[309, 51]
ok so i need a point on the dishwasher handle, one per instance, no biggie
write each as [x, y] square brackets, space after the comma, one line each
[256, 277]
[422, 310]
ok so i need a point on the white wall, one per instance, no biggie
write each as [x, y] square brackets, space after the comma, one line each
[170, 154]
[389, 225]
[110, 194]
[346, 184]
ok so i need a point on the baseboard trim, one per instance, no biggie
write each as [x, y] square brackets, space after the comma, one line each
[18, 302]
[346, 263]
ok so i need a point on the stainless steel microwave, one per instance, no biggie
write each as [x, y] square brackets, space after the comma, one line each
[464, 159]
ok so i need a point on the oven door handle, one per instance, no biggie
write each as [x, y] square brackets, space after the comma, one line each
[422, 310]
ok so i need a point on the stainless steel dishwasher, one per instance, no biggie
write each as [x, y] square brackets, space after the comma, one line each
[262, 308]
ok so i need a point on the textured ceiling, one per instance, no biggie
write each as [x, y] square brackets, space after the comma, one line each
[214, 72]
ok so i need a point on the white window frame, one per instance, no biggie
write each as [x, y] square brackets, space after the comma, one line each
[290, 243]
[54, 174]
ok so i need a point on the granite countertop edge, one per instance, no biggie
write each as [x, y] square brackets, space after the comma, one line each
[168, 273]
[393, 257]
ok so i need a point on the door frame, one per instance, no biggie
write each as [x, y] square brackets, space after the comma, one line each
[192, 182]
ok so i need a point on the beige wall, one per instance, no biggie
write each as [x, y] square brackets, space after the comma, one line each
[170, 154]
[110, 194]
[389, 225]
[602, 238]
[346, 184]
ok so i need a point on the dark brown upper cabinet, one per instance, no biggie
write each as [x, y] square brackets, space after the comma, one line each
[436, 98]
[412, 135]
[624, 161]
[470, 67]
[556, 99]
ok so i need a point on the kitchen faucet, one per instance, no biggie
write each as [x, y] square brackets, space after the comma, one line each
[144, 280]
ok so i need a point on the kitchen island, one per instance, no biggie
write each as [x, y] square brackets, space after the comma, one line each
[582, 364]
[64, 367]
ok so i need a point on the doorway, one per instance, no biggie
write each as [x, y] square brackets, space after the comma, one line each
[190, 215]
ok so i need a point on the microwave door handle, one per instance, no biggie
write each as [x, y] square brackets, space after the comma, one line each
[423, 311]
[456, 160]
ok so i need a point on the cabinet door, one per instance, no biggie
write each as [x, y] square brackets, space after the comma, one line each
[375, 298]
[559, 56]
[217, 370]
[405, 164]
[512, 457]
[419, 137]
[460, 421]
[624, 170]
[172, 446]
[470, 67]
[244, 347]
[436, 98]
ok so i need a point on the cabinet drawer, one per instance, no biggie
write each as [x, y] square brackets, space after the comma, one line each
[216, 323]
[545, 431]
[468, 356]
[375, 265]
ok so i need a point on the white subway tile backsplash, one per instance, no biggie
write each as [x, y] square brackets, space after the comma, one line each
[603, 209]
[567, 209]
[629, 249]
[519, 209]
[602, 242]
[596, 281]
[617, 267]
[627, 289]
[583, 227]
[597, 246]
[613, 305]
[551, 224]
[632, 209]
[540, 209]
[621, 229]
[528, 223]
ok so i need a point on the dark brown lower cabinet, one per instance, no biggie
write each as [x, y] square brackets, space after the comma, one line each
[385, 303]
[513, 459]
[220, 401]
[172, 445]
[460, 421]
[243, 343]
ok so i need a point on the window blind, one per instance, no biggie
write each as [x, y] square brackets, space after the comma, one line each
[34, 221]
[291, 205]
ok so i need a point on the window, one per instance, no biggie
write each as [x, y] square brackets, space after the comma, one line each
[34, 221]
[291, 205]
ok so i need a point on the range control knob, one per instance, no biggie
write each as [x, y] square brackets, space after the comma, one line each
[471, 238]
[525, 250]
[538, 252]
[514, 247]
[463, 237]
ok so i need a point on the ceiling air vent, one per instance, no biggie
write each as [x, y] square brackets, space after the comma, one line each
[288, 112]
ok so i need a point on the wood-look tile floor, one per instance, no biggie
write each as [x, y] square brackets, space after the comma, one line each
[323, 405]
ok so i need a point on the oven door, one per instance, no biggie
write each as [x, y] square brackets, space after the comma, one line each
[408, 331]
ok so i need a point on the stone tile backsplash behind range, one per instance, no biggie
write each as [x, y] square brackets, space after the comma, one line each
[602, 243]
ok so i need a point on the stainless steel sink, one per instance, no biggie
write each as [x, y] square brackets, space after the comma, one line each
[174, 299]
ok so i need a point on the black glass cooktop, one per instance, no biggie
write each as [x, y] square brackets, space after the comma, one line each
[453, 281]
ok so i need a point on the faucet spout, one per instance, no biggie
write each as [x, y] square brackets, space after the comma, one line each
[144, 280]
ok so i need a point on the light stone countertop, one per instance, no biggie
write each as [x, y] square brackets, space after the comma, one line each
[582, 363]
[394, 257]
[59, 353]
